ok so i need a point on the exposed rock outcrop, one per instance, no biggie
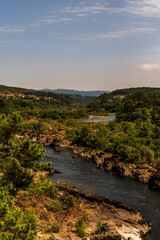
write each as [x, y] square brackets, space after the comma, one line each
[145, 173]
[118, 220]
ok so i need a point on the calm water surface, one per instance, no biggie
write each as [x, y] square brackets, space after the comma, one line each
[84, 175]
[105, 119]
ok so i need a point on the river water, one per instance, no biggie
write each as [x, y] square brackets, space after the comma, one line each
[84, 175]
[96, 119]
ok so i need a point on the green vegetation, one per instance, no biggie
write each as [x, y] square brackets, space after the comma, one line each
[55, 227]
[129, 91]
[100, 227]
[4, 88]
[142, 107]
[43, 108]
[81, 227]
[134, 136]
[18, 158]
[62, 114]
[105, 104]
[112, 102]
[43, 104]
[43, 187]
[128, 140]
[14, 224]
[53, 205]
[17, 155]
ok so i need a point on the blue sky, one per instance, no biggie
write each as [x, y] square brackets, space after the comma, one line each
[85, 44]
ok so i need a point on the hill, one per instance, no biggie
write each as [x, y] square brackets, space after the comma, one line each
[127, 91]
[76, 92]
[111, 102]
[4, 88]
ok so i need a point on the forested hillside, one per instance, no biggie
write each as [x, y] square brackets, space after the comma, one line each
[128, 91]
[134, 135]
[105, 103]
[132, 141]
[39, 104]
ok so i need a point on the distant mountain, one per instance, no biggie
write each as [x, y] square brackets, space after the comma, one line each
[76, 92]
[58, 98]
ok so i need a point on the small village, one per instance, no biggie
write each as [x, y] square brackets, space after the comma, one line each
[15, 95]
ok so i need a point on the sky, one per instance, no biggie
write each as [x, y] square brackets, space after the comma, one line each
[80, 44]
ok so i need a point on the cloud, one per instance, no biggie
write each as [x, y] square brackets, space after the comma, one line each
[148, 67]
[20, 29]
[74, 38]
[82, 15]
[97, 7]
[12, 29]
[55, 20]
[125, 33]
[110, 35]
[146, 8]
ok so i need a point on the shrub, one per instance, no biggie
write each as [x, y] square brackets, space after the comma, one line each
[42, 166]
[55, 227]
[53, 205]
[13, 223]
[100, 227]
[30, 219]
[81, 227]
[43, 187]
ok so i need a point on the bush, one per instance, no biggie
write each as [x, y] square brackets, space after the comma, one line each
[13, 223]
[100, 227]
[42, 166]
[81, 227]
[43, 187]
[55, 227]
[17, 175]
[53, 205]
[30, 219]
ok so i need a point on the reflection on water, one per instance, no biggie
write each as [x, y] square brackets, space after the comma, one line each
[84, 175]
[96, 119]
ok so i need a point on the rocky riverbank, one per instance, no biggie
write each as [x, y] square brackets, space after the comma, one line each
[118, 220]
[59, 211]
[104, 218]
[145, 173]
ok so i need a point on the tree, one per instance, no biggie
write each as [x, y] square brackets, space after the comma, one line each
[13, 223]
[18, 156]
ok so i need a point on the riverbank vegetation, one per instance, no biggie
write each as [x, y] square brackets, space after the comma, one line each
[135, 134]
[31, 207]
[29, 203]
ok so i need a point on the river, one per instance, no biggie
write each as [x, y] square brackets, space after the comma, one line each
[84, 175]
[99, 119]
